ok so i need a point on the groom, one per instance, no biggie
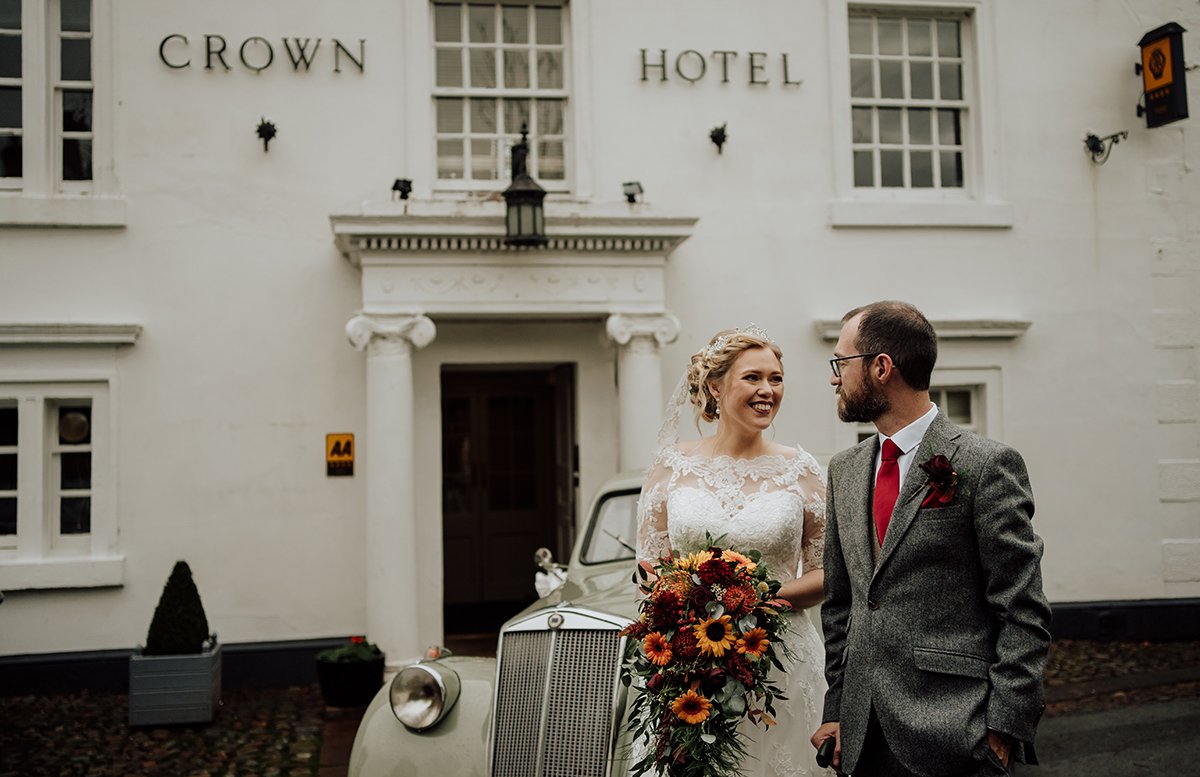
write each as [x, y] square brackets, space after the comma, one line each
[936, 628]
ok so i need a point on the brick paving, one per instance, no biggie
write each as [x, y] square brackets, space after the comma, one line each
[287, 732]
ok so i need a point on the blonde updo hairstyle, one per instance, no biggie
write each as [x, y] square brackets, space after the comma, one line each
[707, 368]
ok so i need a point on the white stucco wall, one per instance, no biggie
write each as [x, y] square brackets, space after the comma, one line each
[242, 367]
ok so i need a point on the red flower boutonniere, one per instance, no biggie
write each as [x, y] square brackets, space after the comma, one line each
[942, 479]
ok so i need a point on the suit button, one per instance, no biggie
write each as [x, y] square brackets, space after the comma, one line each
[872, 604]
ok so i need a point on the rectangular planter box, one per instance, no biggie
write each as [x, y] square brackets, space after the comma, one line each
[174, 689]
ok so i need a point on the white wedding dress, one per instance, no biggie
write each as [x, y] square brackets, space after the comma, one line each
[774, 504]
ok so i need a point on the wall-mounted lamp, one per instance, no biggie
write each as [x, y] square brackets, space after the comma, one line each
[718, 137]
[525, 221]
[401, 189]
[1100, 147]
[631, 190]
[266, 131]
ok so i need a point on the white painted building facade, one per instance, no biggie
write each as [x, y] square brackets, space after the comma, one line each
[185, 314]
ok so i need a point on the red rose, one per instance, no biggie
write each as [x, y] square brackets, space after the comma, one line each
[699, 598]
[655, 683]
[940, 469]
[716, 572]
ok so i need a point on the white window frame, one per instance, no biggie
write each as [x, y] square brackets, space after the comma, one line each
[41, 557]
[40, 197]
[979, 202]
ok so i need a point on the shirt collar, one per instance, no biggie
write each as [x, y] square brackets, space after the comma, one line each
[910, 436]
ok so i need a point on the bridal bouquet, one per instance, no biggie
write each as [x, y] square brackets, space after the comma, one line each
[709, 632]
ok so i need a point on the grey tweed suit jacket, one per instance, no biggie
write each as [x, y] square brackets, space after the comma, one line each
[946, 635]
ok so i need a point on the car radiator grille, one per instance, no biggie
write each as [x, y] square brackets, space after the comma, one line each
[556, 690]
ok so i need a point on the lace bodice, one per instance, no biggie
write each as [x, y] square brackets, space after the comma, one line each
[774, 504]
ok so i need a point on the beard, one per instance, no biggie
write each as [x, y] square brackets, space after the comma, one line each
[865, 405]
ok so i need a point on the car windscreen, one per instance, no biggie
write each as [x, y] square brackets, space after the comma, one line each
[613, 530]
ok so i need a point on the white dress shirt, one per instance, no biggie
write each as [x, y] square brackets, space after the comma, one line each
[907, 440]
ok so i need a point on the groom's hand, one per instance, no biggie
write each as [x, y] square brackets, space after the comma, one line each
[827, 730]
[999, 743]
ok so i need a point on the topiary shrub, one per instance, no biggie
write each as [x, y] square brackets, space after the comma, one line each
[179, 625]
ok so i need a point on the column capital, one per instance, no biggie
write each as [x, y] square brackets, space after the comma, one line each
[416, 330]
[624, 327]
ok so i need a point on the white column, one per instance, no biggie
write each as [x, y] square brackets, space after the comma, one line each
[639, 381]
[388, 454]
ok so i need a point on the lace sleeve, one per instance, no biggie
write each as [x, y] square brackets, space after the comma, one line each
[652, 539]
[812, 488]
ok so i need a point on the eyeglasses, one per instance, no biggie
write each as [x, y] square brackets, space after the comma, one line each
[834, 364]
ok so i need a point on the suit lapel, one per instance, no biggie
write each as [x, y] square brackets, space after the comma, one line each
[857, 525]
[941, 437]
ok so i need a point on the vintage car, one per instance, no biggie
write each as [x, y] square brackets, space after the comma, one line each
[550, 704]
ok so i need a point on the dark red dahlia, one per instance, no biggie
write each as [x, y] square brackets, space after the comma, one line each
[664, 612]
[684, 645]
[637, 630]
[716, 572]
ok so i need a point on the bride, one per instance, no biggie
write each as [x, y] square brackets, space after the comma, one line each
[756, 494]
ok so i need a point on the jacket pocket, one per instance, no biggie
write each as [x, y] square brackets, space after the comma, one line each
[941, 513]
[950, 662]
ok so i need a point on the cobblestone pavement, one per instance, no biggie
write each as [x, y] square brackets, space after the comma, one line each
[277, 732]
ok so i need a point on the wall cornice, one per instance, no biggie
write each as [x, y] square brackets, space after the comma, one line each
[69, 334]
[947, 329]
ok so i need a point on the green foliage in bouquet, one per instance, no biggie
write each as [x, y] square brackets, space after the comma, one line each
[357, 649]
[710, 630]
[179, 626]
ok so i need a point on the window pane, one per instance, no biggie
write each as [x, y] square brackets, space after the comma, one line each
[920, 78]
[10, 14]
[10, 56]
[449, 114]
[549, 26]
[447, 24]
[77, 110]
[76, 515]
[449, 67]
[10, 157]
[921, 165]
[889, 36]
[891, 79]
[516, 24]
[920, 41]
[76, 15]
[76, 470]
[77, 159]
[450, 159]
[483, 116]
[861, 119]
[549, 70]
[76, 60]
[10, 106]
[8, 472]
[951, 80]
[891, 168]
[920, 126]
[516, 69]
[860, 36]
[516, 113]
[862, 78]
[951, 169]
[74, 425]
[551, 164]
[949, 129]
[550, 117]
[8, 426]
[889, 126]
[864, 169]
[483, 159]
[481, 22]
[958, 406]
[948, 42]
[8, 515]
[483, 68]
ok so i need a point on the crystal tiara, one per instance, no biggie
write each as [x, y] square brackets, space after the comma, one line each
[751, 330]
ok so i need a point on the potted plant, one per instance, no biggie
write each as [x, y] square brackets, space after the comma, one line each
[176, 677]
[350, 674]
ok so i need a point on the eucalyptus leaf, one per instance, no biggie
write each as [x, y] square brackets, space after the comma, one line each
[714, 609]
[736, 705]
[708, 739]
[746, 623]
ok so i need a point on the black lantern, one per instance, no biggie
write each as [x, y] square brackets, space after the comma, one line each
[525, 222]
[1163, 75]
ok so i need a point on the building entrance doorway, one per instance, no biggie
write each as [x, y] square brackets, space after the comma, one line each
[508, 486]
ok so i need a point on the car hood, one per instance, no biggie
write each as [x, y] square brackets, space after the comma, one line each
[604, 587]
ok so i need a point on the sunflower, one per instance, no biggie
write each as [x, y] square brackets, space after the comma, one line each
[714, 635]
[657, 649]
[693, 560]
[740, 560]
[691, 707]
[753, 643]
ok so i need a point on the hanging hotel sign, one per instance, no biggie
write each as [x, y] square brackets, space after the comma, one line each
[339, 455]
[1163, 75]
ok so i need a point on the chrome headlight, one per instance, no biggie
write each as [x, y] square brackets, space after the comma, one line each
[423, 694]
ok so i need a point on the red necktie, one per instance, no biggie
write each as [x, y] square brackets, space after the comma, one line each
[887, 488]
